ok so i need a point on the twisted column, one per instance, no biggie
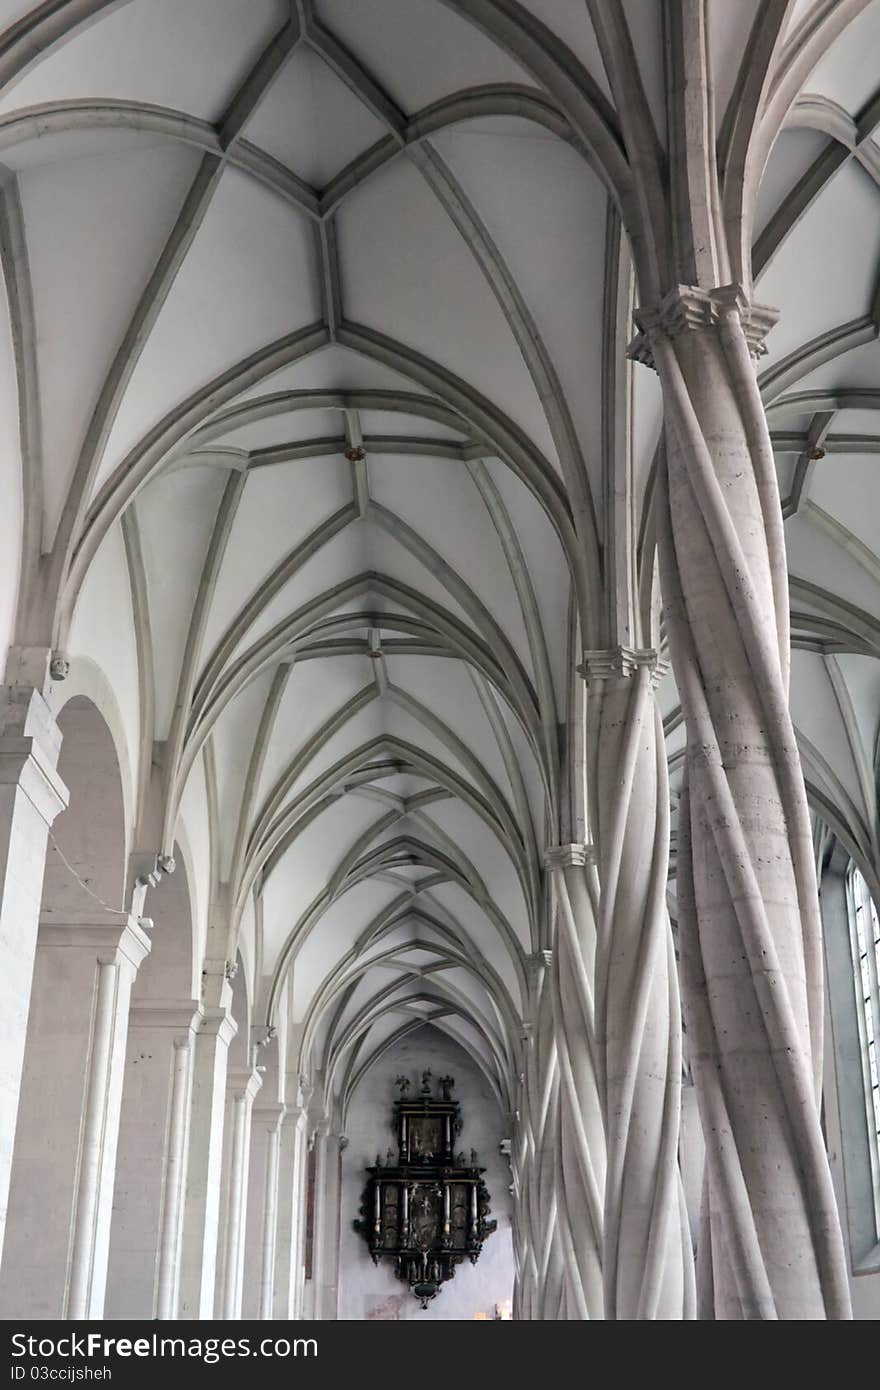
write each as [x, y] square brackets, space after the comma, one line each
[541, 1291]
[580, 1157]
[647, 1261]
[749, 918]
[520, 1158]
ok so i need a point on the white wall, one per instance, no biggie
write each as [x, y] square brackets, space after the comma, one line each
[367, 1292]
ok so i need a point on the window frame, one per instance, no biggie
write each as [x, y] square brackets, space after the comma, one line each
[864, 932]
[844, 1067]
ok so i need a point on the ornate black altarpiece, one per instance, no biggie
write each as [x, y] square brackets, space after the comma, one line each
[427, 1211]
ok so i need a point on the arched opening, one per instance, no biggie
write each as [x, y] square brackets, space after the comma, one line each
[373, 1292]
[85, 862]
[88, 954]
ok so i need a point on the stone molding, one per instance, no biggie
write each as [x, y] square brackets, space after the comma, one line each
[322, 1128]
[243, 1084]
[216, 990]
[539, 960]
[218, 1021]
[536, 965]
[22, 763]
[619, 663]
[688, 307]
[573, 856]
[270, 1113]
[111, 940]
[182, 1016]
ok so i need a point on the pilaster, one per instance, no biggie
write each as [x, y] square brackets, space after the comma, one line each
[266, 1123]
[243, 1086]
[288, 1222]
[205, 1150]
[31, 796]
[74, 1066]
[151, 1167]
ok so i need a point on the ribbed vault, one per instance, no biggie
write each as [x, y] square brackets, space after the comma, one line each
[314, 371]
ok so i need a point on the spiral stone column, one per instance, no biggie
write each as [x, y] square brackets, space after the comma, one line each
[647, 1261]
[541, 1291]
[520, 1157]
[523, 1163]
[749, 919]
[580, 1157]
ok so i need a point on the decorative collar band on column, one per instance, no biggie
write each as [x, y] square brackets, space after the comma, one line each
[689, 307]
[619, 663]
[569, 856]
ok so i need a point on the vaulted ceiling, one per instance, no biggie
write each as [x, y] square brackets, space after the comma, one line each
[312, 311]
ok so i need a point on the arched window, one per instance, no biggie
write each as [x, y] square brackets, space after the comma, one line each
[865, 946]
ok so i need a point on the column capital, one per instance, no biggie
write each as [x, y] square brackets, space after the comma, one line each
[295, 1117]
[270, 1113]
[30, 742]
[112, 938]
[216, 986]
[217, 1021]
[619, 663]
[569, 856]
[539, 960]
[23, 764]
[243, 1083]
[536, 964]
[181, 1016]
[688, 307]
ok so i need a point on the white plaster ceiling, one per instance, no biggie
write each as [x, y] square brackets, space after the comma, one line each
[251, 239]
